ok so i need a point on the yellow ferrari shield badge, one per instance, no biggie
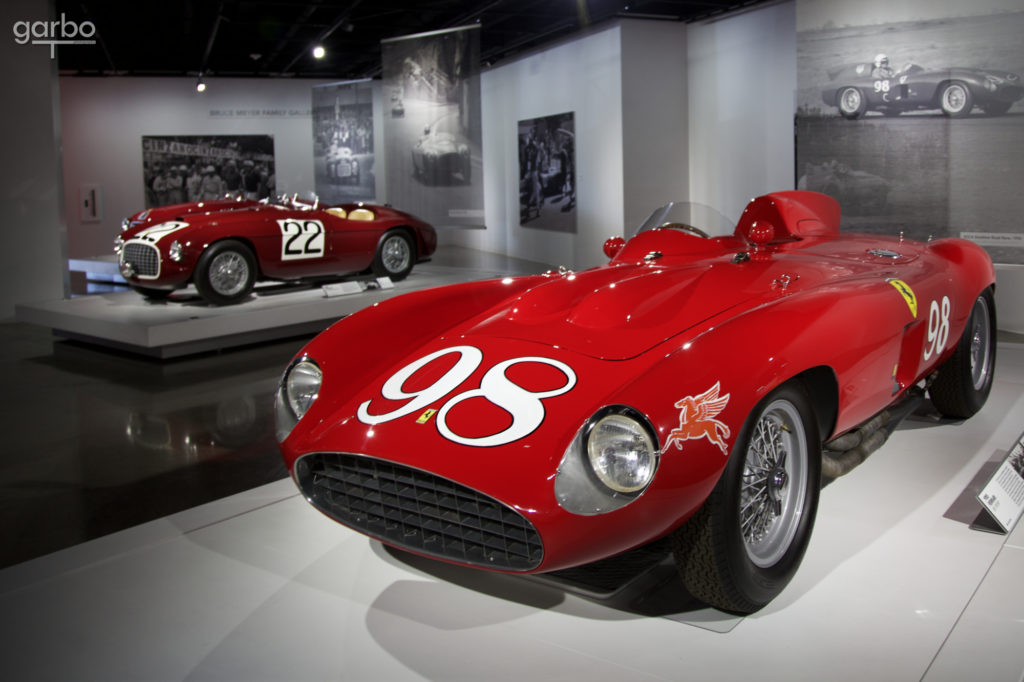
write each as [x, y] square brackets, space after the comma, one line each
[907, 293]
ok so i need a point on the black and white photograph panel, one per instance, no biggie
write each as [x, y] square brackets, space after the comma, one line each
[343, 145]
[547, 173]
[432, 121]
[915, 124]
[182, 168]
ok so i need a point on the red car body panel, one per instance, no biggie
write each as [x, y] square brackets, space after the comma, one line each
[276, 233]
[671, 317]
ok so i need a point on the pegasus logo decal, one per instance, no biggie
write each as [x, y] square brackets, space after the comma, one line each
[697, 419]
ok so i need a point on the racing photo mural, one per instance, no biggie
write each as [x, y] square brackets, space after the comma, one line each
[913, 118]
[183, 168]
[432, 121]
[343, 150]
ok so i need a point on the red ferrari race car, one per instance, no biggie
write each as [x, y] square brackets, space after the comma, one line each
[225, 246]
[694, 388]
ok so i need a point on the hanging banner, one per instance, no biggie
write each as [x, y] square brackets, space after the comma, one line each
[343, 149]
[911, 115]
[432, 123]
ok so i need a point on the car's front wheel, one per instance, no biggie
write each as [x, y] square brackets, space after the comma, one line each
[956, 100]
[744, 545]
[394, 257]
[962, 384]
[851, 103]
[226, 272]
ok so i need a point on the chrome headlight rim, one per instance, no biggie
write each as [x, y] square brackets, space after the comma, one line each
[578, 487]
[289, 406]
[623, 415]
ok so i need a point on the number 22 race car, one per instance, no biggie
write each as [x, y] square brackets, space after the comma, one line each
[224, 246]
[696, 388]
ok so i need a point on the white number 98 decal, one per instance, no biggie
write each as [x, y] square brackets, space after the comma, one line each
[938, 328]
[523, 405]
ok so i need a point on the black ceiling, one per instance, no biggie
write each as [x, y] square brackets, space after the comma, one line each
[275, 37]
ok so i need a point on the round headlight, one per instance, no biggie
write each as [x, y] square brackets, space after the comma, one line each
[622, 453]
[302, 387]
[118, 244]
[175, 251]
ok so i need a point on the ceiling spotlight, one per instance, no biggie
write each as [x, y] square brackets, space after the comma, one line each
[200, 84]
[319, 52]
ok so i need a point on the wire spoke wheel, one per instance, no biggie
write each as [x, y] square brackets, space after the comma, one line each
[743, 546]
[395, 254]
[774, 483]
[229, 273]
[981, 344]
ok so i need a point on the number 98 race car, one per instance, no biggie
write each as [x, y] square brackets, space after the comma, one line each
[694, 387]
[224, 246]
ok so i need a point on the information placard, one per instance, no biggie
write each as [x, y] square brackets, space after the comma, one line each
[1003, 495]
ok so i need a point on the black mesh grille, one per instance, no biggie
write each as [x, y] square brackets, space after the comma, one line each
[419, 511]
[144, 259]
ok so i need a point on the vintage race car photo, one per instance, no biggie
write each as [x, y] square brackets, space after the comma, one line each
[859, 88]
[223, 247]
[695, 388]
[441, 158]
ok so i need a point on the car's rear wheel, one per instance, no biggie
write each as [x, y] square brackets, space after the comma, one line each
[395, 256]
[744, 545]
[956, 100]
[963, 382]
[851, 103]
[226, 272]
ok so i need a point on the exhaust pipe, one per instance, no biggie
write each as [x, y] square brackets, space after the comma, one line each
[842, 455]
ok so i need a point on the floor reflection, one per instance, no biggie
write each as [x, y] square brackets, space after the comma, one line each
[95, 442]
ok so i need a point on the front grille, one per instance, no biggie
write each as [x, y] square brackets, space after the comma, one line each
[419, 511]
[144, 258]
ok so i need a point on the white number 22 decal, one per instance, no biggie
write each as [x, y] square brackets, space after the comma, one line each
[524, 406]
[301, 239]
[938, 328]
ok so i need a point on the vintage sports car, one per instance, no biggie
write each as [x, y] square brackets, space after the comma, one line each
[342, 165]
[225, 246]
[441, 158]
[695, 388]
[855, 90]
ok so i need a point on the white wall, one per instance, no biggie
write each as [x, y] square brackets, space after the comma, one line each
[32, 266]
[742, 87]
[655, 124]
[582, 76]
[104, 120]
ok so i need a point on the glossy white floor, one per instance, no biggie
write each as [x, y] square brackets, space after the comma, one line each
[260, 586]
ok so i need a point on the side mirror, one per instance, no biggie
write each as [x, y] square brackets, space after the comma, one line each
[613, 246]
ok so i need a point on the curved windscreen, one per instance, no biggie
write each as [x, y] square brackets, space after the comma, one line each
[696, 215]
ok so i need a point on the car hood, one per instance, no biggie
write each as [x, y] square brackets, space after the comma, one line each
[616, 312]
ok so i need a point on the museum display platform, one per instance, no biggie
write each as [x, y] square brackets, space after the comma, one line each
[185, 324]
[895, 586]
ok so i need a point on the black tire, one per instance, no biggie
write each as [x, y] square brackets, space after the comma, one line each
[226, 272]
[956, 100]
[740, 570]
[962, 384]
[152, 294]
[395, 256]
[851, 102]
